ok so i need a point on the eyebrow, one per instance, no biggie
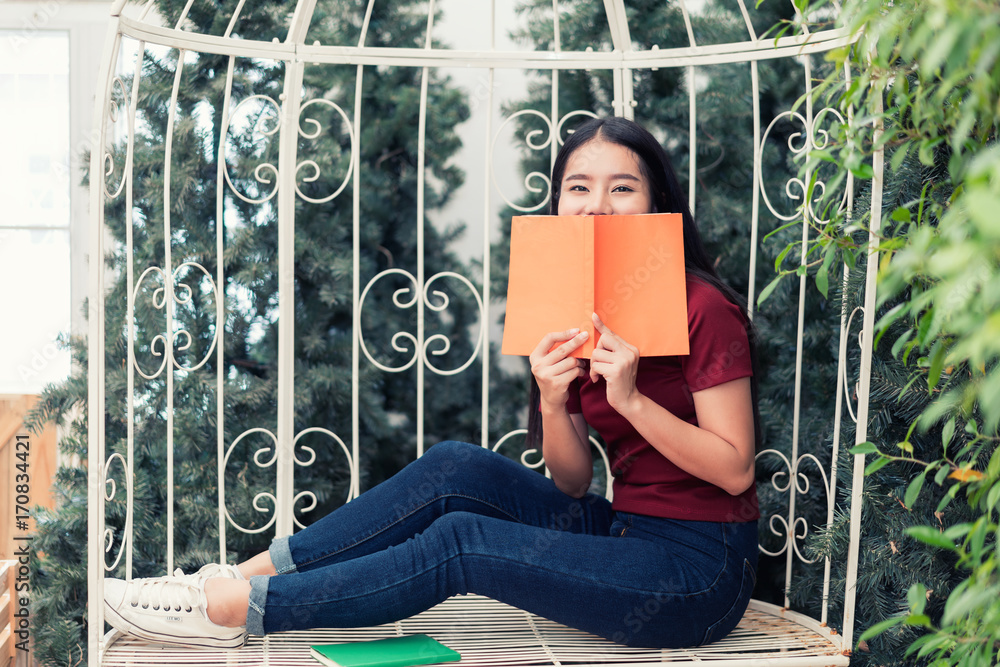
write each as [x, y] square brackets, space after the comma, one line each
[614, 177]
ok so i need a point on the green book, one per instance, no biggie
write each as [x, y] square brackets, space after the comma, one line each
[389, 652]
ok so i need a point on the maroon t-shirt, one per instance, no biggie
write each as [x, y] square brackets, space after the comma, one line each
[645, 481]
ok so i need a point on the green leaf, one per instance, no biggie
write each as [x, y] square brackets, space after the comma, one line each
[901, 214]
[931, 536]
[958, 531]
[938, 352]
[781, 256]
[993, 497]
[822, 282]
[766, 292]
[913, 489]
[948, 497]
[851, 257]
[920, 620]
[942, 473]
[877, 465]
[864, 448]
[823, 275]
[793, 223]
[900, 342]
[881, 627]
[928, 644]
[916, 597]
[900, 154]
[947, 433]
[993, 467]
[926, 152]
[971, 602]
[977, 540]
[863, 171]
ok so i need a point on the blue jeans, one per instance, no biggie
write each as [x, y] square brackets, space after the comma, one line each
[463, 519]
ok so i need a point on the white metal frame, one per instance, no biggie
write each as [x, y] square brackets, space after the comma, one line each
[768, 636]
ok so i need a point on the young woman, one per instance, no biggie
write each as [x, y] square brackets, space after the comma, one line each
[671, 562]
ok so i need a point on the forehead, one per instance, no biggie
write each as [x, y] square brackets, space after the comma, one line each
[598, 156]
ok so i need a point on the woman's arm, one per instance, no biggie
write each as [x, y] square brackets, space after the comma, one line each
[720, 450]
[565, 446]
[566, 449]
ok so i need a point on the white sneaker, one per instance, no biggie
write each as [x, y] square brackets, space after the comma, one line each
[212, 570]
[166, 609]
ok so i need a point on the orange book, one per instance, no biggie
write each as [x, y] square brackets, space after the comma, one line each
[629, 269]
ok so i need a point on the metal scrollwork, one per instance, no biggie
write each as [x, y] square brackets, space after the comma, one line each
[266, 457]
[442, 306]
[847, 386]
[794, 533]
[110, 490]
[536, 140]
[114, 113]
[317, 128]
[528, 459]
[351, 463]
[266, 174]
[264, 495]
[812, 137]
[526, 454]
[182, 295]
[406, 342]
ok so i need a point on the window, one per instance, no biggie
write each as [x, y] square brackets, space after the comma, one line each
[49, 58]
[35, 223]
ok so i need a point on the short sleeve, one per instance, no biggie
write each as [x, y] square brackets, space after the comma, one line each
[720, 348]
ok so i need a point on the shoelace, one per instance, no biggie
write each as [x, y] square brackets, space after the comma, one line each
[167, 593]
[207, 572]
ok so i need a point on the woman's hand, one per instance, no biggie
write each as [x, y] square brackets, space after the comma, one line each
[564, 436]
[617, 362]
[553, 368]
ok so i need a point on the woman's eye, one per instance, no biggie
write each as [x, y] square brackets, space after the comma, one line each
[577, 188]
[622, 188]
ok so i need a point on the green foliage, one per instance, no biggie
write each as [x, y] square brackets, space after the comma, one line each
[926, 92]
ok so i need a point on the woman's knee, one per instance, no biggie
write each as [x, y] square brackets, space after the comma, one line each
[451, 454]
[442, 465]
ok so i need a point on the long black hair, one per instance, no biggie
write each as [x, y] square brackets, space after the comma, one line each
[667, 198]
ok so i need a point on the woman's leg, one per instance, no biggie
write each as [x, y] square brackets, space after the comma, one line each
[258, 565]
[449, 477]
[653, 582]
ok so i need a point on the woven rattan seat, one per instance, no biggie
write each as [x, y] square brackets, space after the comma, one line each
[487, 632]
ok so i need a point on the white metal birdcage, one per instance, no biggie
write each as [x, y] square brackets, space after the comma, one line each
[484, 631]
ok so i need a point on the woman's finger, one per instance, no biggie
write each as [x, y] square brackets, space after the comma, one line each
[551, 339]
[600, 326]
[550, 344]
[609, 340]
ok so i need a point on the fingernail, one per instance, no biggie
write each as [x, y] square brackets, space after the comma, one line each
[584, 334]
[574, 331]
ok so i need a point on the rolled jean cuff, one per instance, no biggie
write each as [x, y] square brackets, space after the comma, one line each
[281, 556]
[258, 600]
